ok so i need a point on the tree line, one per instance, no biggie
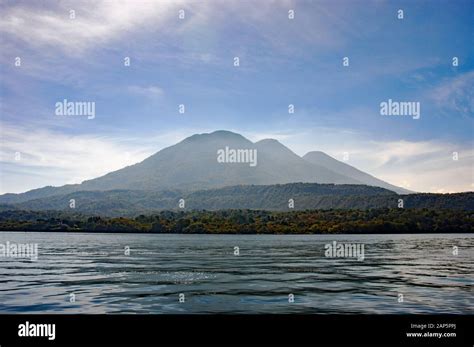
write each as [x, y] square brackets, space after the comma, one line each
[333, 221]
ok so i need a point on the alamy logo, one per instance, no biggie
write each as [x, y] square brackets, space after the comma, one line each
[75, 108]
[19, 250]
[37, 330]
[344, 250]
[400, 108]
[229, 155]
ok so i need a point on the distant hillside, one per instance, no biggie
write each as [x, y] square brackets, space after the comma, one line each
[269, 197]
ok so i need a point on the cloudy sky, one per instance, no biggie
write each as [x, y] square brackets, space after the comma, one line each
[79, 56]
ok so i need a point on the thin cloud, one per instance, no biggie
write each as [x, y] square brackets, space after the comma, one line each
[455, 95]
[152, 92]
[94, 24]
[69, 156]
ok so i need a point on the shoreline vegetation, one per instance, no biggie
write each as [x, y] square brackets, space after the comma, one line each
[244, 221]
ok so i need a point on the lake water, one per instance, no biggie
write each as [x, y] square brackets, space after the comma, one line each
[103, 279]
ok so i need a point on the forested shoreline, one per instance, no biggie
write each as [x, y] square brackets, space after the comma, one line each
[334, 221]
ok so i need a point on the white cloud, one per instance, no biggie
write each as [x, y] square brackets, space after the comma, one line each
[60, 159]
[151, 92]
[423, 166]
[455, 95]
[426, 166]
[95, 22]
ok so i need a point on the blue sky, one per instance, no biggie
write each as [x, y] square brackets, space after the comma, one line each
[282, 61]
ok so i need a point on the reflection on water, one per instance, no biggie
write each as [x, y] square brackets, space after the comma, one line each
[103, 279]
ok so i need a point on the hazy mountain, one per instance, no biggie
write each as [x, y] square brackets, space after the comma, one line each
[324, 160]
[192, 165]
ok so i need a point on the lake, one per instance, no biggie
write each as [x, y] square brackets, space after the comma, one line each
[141, 273]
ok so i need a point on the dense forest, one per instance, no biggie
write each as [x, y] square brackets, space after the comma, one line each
[383, 220]
[305, 196]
